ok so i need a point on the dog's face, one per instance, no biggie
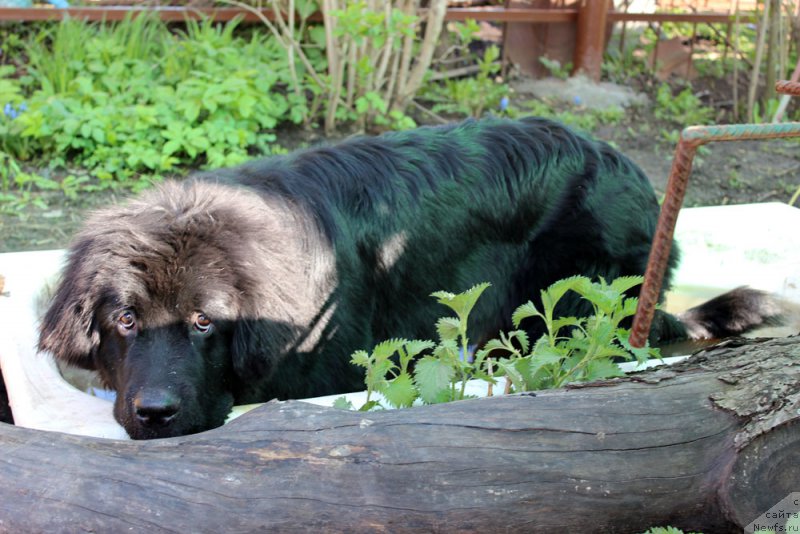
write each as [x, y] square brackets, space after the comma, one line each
[170, 362]
[174, 302]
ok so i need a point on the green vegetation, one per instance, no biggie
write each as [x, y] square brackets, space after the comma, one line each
[683, 108]
[468, 95]
[93, 106]
[573, 349]
[133, 99]
[438, 377]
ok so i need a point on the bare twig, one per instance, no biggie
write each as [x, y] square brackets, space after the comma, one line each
[435, 116]
[754, 77]
[433, 28]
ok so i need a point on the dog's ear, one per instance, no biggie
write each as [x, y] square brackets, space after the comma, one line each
[68, 329]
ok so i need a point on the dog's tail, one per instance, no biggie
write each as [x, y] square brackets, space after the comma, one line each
[730, 314]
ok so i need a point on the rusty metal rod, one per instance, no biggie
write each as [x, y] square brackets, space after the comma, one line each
[691, 138]
[791, 87]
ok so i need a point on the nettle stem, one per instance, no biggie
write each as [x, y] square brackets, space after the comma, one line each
[465, 351]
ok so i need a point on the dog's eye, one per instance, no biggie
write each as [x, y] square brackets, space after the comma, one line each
[202, 323]
[126, 320]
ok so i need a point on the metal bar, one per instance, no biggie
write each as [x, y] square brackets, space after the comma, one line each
[691, 138]
[791, 88]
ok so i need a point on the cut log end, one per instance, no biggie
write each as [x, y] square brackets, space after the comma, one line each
[766, 471]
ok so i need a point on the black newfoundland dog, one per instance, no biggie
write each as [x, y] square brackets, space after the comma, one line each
[258, 282]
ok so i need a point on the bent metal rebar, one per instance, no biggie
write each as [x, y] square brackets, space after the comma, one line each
[691, 138]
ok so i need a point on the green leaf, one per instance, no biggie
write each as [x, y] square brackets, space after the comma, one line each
[602, 368]
[628, 308]
[601, 296]
[305, 8]
[462, 303]
[543, 349]
[558, 289]
[362, 105]
[317, 36]
[414, 347]
[600, 329]
[521, 337]
[523, 312]
[624, 283]
[447, 351]
[360, 358]
[561, 322]
[448, 328]
[98, 135]
[371, 405]
[400, 392]
[642, 354]
[246, 105]
[411, 350]
[511, 370]
[492, 345]
[191, 110]
[342, 403]
[433, 377]
[385, 349]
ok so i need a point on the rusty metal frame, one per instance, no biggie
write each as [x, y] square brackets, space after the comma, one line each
[691, 138]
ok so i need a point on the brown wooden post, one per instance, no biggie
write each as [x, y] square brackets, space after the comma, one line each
[591, 37]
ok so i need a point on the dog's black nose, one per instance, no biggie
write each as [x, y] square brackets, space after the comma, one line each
[156, 407]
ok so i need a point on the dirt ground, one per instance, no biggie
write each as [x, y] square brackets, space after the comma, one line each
[723, 173]
[738, 172]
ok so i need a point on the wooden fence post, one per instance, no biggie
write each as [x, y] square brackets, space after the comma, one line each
[591, 38]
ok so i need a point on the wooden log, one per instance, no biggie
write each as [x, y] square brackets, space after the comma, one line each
[706, 445]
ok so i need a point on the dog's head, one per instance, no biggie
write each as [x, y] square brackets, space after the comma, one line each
[176, 300]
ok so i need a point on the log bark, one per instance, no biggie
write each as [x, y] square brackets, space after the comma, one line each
[706, 445]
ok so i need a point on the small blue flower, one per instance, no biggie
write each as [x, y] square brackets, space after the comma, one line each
[9, 111]
[577, 100]
[470, 353]
[504, 103]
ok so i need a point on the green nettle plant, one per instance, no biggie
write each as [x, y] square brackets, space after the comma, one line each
[437, 377]
[573, 349]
